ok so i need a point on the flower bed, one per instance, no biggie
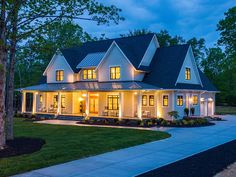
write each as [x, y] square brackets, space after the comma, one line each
[185, 122]
[119, 122]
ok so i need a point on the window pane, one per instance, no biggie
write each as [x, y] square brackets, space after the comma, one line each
[195, 99]
[179, 100]
[115, 72]
[63, 101]
[94, 74]
[151, 100]
[55, 101]
[144, 100]
[165, 100]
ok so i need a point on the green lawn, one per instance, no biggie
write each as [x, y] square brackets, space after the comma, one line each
[225, 110]
[66, 143]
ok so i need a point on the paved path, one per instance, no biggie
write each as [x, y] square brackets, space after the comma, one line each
[139, 159]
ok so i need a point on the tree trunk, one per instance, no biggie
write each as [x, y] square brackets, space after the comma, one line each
[3, 57]
[10, 93]
[10, 79]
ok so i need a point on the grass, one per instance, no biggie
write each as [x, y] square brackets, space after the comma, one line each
[225, 110]
[66, 143]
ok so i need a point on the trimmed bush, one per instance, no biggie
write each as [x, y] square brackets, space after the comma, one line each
[186, 122]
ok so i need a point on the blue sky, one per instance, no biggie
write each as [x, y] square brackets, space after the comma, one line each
[187, 18]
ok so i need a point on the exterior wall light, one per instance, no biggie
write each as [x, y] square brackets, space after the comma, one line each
[210, 99]
[202, 99]
[84, 95]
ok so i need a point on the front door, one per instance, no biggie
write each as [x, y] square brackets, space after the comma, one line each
[93, 104]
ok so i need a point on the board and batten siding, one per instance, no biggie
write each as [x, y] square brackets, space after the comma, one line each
[115, 58]
[189, 63]
[59, 63]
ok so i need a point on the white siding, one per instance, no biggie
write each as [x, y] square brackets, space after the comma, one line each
[115, 58]
[189, 63]
[59, 63]
[180, 109]
[147, 58]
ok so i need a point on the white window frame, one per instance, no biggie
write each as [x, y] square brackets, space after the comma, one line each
[63, 75]
[163, 99]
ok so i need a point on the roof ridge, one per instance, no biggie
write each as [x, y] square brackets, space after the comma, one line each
[176, 45]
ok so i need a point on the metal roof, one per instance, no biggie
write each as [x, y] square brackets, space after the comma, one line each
[91, 60]
[91, 86]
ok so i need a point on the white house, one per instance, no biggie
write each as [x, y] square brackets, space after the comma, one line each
[123, 77]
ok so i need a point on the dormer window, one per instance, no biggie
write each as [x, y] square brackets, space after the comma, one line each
[187, 73]
[59, 75]
[89, 74]
[115, 73]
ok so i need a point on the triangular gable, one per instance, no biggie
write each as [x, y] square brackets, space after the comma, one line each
[189, 62]
[113, 45]
[55, 56]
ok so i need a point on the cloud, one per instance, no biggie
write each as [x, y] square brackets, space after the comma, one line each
[187, 18]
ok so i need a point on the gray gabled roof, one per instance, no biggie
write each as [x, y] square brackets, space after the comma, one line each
[165, 67]
[133, 47]
[91, 60]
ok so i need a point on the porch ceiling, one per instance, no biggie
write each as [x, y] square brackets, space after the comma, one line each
[91, 86]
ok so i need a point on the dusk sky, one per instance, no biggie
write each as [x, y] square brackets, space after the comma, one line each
[187, 18]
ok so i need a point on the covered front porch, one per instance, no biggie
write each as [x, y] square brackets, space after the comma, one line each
[121, 104]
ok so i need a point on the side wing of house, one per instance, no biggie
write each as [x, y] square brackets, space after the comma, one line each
[58, 70]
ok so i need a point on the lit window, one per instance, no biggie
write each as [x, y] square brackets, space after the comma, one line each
[59, 75]
[41, 99]
[151, 100]
[115, 73]
[165, 100]
[179, 100]
[187, 74]
[113, 102]
[63, 101]
[144, 100]
[89, 74]
[195, 99]
[55, 101]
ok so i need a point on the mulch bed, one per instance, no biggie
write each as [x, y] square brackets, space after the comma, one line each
[21, 145]
[204, 164]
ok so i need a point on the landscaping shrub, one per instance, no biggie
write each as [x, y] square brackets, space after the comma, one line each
[186, 110]
[192, 110]
[186, 122]
[173, 114]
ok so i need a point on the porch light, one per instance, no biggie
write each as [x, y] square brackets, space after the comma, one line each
[81, 99]
[36, 93]
[210, 99]
[84, 95]
[202, 99]
[135, 93]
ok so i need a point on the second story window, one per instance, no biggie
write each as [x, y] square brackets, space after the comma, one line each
[89, 74]
[115, 73]
[187, 73]
[59, 75]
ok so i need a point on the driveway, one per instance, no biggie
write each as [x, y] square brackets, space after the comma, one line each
[142, 158]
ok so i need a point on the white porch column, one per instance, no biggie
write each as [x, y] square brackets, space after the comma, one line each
[87, 104]
[121, 104]
[59, 104]
[139, 108]
[207, 107]
[173, 101]
[34, 102]
[23, 102]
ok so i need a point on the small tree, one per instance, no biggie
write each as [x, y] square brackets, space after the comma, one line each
[192, 110]
[186, 110]
[173, 114]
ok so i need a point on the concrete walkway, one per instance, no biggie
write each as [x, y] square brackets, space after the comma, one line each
[139, 159]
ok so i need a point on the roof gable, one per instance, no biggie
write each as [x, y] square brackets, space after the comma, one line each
[165, 66]
[133, 47]
[189, 62]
